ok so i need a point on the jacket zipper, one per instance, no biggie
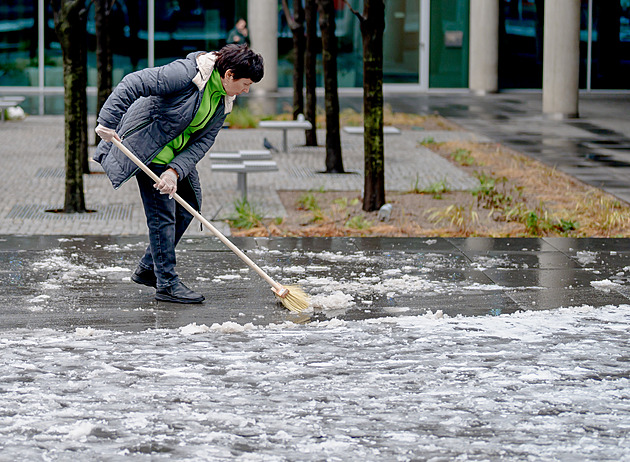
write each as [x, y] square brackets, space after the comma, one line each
[133, 130]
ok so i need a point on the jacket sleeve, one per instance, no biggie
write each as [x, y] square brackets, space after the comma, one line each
[187, 159]
[156, 81]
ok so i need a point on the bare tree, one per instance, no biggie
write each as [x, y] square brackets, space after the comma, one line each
[372, 23]
[104, 61]
[310, 58]
[70, 18]
[296, 24]
[334, 160]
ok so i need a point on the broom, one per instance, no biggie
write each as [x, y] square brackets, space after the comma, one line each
[292, 297]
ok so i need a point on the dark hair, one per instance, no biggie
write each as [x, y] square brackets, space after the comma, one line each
[243, 62]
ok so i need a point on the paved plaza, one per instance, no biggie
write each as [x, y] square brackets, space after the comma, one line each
[412, 349]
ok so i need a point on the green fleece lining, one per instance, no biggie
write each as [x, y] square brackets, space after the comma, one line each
[211, 96]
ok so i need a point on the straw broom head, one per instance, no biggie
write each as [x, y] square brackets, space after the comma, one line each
[293, 298]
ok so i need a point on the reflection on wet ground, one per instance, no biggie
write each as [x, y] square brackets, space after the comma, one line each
[66, 283]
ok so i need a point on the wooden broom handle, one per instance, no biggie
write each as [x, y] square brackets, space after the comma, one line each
[199, 217]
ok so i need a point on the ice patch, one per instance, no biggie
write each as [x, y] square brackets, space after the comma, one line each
[586, 257]
[483, 287]
[81, 431]
[227, 277]
[482, 263]
[112, 269]
[606, 285]
[335, 301]
[39, 299]
[331, 323]
[193, 328]
[230, 327]
[88, 332]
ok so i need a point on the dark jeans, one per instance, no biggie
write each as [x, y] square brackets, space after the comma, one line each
[167, 221]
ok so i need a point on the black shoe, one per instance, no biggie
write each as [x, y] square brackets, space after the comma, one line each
[144, 277]
[178, 293]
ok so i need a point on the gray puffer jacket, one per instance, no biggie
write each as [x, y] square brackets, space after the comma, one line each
[150, 108]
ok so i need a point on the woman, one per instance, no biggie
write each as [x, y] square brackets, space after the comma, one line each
[169, 117]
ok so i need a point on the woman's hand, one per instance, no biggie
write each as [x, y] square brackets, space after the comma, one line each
[167, 183]
[106, 134]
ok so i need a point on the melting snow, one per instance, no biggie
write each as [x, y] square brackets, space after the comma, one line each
[539, 385]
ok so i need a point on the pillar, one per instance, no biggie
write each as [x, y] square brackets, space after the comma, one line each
[561, 59]
[262, 21]
[483, 67]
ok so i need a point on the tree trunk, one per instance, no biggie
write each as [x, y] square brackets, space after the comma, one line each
[104, 65]
[296, 23]
[70, 26]
[310, 58]
[372, 28]
[334, 161]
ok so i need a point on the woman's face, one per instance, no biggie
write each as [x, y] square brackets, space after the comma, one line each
[235, 87]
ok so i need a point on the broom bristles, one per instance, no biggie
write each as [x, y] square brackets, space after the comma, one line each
[296, 300]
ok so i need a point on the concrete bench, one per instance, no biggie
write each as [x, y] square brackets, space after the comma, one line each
[241, 155]
[13, 99]
[387, 130]
[285, 125]
[244, 167]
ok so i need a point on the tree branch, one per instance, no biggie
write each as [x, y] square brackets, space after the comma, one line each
[356, 13]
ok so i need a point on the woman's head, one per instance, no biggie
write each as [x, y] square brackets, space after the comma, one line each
[241, 61]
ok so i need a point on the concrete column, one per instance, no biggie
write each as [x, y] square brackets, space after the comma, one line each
[262, 21]
[561, 59]
[483, 67]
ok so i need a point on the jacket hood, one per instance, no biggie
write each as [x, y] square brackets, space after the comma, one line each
[205, 66]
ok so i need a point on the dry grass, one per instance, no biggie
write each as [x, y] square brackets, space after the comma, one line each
[527, 199]
[555, 194]
[350, 117]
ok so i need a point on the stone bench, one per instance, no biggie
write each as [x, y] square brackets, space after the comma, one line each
[241, 155]
[242, 168]
[387, 130]
[285, 125]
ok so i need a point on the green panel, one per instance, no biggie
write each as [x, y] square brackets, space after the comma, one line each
[448, 66]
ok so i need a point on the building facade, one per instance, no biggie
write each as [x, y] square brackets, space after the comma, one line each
[427, 43]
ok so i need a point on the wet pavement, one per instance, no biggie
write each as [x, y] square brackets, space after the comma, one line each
[414, 349]
[594, 148]
[69, 282]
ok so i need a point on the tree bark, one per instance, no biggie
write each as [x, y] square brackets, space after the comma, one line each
[372, 29]
[334, 160]
[70, 25]
[310, 58]
[372, 23]
[104, 61]
[296, 23]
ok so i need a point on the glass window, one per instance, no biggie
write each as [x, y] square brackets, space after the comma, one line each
[184, 26]
[610, 46]
[18, 43]
[400, 45]
[401, 42]
[521, 43]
